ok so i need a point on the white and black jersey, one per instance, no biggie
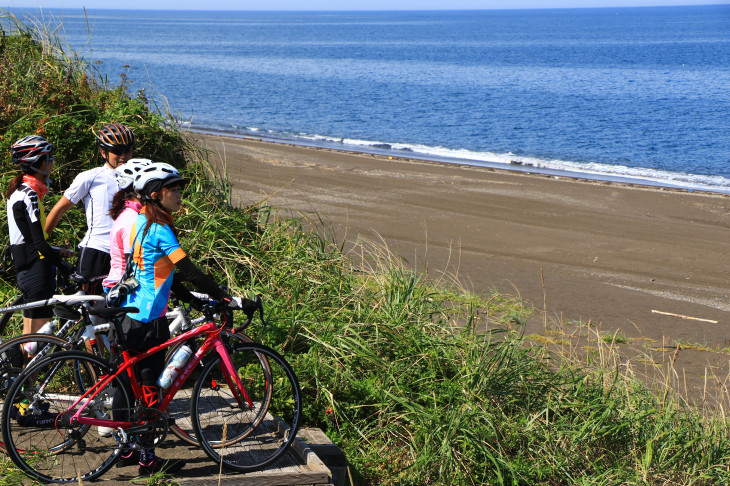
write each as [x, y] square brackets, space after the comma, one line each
[27, 241]
[96, 188]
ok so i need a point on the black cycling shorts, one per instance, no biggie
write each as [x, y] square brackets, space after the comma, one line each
[92, 264]
[37, 283]
[139, 337]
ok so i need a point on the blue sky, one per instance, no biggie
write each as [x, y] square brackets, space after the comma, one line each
[346, 4]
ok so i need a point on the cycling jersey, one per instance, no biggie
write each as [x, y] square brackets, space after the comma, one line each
[32, 256]
[96, 188]
[154, 257]
[119, 243]
[25, 227]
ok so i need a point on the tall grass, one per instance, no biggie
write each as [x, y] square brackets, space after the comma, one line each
[418, 382]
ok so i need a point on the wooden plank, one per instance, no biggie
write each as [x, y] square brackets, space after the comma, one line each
[300, 465]
[313, 471]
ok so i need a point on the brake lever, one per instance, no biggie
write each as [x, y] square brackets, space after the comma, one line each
[260, 305]
[78, 279]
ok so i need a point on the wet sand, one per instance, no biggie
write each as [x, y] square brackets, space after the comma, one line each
[602, 253]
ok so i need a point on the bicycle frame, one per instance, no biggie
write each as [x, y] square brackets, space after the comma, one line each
[72, 299]
[89, 332]
[212, 341]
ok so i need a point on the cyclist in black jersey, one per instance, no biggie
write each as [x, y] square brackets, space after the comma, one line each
[33, 257]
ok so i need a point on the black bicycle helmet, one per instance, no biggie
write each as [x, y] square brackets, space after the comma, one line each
[116, 138]
[31, 151]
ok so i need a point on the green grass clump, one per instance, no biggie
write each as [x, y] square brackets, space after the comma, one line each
[418, 383]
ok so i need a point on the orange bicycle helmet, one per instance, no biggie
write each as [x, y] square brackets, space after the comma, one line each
[116, 138]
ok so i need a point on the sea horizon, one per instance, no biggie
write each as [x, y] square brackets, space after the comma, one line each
[635, 94]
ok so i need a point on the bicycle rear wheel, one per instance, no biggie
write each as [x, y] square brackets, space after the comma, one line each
[243, 438]
[36, 429]
[11, 323]
[179, 408]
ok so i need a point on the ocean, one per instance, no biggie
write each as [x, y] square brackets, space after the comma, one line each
[613, 93]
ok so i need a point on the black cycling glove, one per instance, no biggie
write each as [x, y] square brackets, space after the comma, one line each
[248, 307]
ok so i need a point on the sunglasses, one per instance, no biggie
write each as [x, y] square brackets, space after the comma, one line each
[121, 149]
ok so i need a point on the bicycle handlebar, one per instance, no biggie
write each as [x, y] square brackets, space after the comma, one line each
[59, 248]
[210, 310]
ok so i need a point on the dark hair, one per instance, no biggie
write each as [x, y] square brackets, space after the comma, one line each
[118, 202]
[14, 183]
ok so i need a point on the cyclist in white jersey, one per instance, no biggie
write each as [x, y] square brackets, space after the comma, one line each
[96, 188]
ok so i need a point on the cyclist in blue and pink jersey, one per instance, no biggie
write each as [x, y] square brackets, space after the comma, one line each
[156, 255]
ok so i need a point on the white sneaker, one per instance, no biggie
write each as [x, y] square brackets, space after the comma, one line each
[105, 431]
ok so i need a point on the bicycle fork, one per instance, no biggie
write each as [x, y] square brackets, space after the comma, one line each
[231, 375]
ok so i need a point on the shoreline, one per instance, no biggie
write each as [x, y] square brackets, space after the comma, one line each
[604, 254]
[515, 164]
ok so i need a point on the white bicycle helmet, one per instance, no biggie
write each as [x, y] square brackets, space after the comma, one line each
[156, 176]
[126, 173]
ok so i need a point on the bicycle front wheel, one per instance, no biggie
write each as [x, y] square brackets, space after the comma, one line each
[247, 436]
[179, 408]
[36, 427]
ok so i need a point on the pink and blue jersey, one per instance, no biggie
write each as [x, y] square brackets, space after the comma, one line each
[120, 242]
[154, 257]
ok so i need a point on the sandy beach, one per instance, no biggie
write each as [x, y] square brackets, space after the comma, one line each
[599, 252]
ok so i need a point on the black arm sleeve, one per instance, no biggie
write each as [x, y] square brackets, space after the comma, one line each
[180, 291]
[202, 282]
[33, 234]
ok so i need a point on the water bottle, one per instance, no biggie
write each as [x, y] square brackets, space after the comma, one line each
[31, 347]
[174, 366]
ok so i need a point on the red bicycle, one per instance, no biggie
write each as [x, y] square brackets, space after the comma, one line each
[245, 407]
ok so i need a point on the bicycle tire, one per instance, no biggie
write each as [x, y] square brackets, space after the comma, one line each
[216, 415]
[9, 370]
[5, 318]
[47, 344]
[179, 408]
[40, 441]
[11, 349]
[7, 359]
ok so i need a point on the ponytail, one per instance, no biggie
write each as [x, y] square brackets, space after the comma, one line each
[14, 183]
[119, 202]
[156, 214]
